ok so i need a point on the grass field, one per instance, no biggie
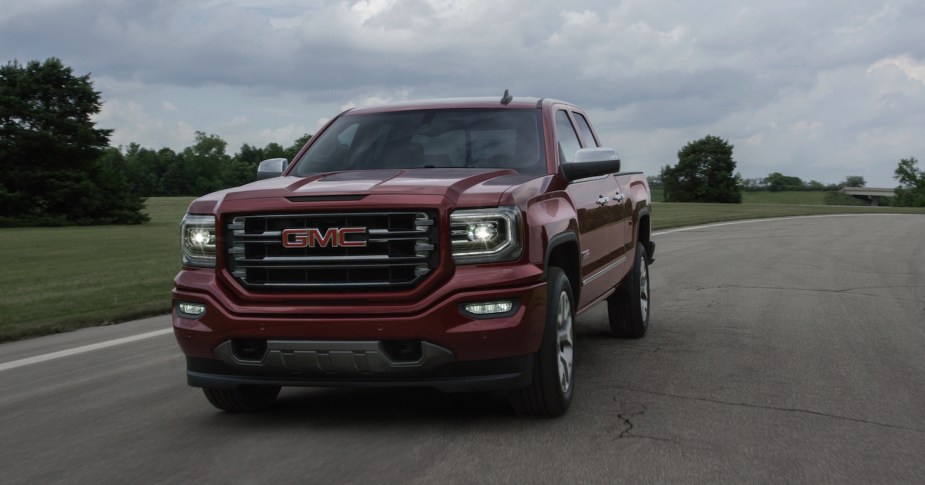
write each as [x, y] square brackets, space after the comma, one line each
[666, 215]
[59, 279]
[788, 198]
[765, 197]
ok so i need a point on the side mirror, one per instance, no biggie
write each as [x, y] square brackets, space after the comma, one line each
[273, 167]
[591, 162]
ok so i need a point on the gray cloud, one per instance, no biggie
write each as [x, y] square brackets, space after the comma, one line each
[804, 87]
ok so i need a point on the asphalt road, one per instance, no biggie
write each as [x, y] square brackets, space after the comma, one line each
[779, 351]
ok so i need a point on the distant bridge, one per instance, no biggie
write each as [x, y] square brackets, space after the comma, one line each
[871, 194]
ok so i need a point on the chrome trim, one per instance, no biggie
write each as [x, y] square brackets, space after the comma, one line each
[401, 248]
[603, 270]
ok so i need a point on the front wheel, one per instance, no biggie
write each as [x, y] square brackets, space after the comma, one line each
[628, 307]
[243, 399]
[550, 391]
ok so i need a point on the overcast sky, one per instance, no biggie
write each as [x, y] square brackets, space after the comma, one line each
[814, 89]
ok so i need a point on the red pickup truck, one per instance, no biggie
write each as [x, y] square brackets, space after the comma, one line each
[444, 243]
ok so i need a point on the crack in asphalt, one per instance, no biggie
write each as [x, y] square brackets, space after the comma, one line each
[856, 291]
[629, 426]
[760, 406]
[625, 418]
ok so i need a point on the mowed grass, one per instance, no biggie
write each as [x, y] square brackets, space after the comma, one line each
[765, 197]
[785, 198]
[60, 279]
[667, 215]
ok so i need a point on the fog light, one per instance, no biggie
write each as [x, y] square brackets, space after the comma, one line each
[190, 310]
[489, 308]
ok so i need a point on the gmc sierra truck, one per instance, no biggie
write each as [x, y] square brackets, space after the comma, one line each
[445, 243]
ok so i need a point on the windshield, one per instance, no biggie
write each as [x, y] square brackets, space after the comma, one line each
[456, 138]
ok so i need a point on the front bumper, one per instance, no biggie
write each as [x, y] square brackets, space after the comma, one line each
[491, 375]
[328, 344]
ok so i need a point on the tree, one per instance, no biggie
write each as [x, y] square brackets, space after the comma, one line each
[54, 170]
[109, 199]
[911, 190]
[170, 174]
[778, 182]
[205, 167]
[144, 170]
[752, 184]
[854, 181]
[704, 173]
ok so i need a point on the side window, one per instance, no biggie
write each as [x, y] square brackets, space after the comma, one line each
[586, 132]
[568, 139]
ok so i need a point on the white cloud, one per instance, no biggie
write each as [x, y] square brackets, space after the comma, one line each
[379, 98]
[134, 125]
[757, 139]
[290, 132]
[236, 124]
[913, 69]
[807, 129]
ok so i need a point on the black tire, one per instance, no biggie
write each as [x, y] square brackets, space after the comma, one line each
[628, 307]
[243, 399]
[553, 382]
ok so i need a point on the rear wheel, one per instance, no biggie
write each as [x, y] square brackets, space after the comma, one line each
[243, 399]
[628, 307]
[550, 391]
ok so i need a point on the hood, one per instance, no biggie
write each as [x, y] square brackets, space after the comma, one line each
[461, 187]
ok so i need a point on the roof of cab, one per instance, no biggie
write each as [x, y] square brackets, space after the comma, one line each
[451, 103]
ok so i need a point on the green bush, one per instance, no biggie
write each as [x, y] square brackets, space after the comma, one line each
[841, 198]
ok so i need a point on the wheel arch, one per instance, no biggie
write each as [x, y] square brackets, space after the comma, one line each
[564, 252]
[644, 233]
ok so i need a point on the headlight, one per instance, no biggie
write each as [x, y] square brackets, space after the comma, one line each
[485, 235]
[197, 240]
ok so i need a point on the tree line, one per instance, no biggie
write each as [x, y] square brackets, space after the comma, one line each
[196, 170]
[705, 172]
[58, 168]
[778, 182]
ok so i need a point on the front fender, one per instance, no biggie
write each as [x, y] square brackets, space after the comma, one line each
[545, 220]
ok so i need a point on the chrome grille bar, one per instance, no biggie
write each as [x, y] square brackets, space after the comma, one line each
[398, 250]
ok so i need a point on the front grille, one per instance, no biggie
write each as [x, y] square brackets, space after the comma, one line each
[400, 250]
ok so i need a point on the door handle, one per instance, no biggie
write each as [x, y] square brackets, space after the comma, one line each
[603, 200]
[620, 198]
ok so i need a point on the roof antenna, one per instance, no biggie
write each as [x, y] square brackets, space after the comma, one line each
[507, 98]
